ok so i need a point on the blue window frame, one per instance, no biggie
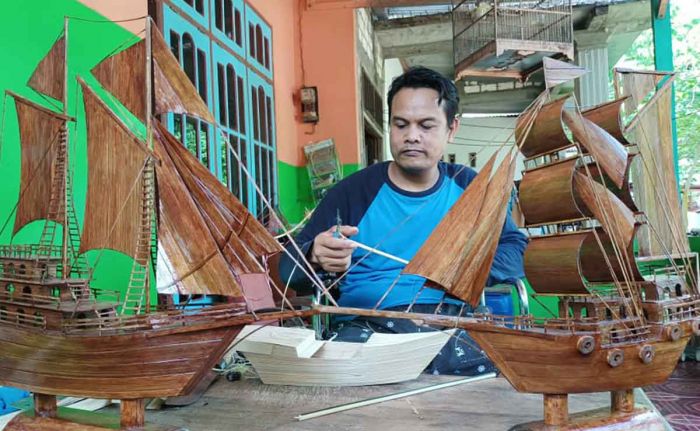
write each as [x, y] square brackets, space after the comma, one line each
[228, 24]
[191, 48]
[232, 73]
[196, 9]
[259, 42]
[262, 138]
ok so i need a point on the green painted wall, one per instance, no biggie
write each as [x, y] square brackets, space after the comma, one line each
[295, 189]
[27, 35]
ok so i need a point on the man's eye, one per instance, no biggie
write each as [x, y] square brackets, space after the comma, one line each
[427, 126]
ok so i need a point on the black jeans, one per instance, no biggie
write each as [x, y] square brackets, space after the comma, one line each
[460, 356]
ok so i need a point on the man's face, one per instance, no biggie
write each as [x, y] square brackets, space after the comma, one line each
[419, 130]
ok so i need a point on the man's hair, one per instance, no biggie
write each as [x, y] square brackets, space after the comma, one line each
[422, 77]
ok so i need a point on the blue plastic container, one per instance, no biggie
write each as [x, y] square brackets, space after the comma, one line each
[500, 302]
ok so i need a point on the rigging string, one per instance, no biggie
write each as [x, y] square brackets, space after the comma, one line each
[615, 236]
[137, 180]
[31, 179]
[314, 279]
[660, 195]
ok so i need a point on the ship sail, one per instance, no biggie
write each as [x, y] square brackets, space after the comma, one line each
[41, 132]
[124, 76]
[229, 221]
[116, 162]
[188, 257]
[656, 189]
[49, 76]
[472, 226]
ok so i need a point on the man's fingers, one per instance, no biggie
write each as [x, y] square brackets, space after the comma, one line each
[345, 230]
[329, 242]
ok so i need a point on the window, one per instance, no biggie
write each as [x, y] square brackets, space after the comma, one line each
[192, 132]
[231, 107]
[233, 75]
[452, 158]
[227, 19]
[472, 160]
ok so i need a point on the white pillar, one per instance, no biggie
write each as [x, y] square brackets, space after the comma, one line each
[593, 88]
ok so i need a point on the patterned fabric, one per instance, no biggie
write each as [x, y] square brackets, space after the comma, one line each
[678, 399]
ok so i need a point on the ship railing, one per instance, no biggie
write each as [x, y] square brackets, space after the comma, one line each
[618, 336]
[159, 320]
[29, 298]
[22, 319]
[681, 310]
[27, 251]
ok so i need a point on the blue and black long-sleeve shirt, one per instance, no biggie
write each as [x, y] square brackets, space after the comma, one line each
[397, 222]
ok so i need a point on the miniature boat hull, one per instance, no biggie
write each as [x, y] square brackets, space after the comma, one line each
[383, 359]
[154, 363]
[552, 364]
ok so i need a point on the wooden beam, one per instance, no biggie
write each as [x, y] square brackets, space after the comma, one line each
[398, 51]
[663, 7]
[356, 4]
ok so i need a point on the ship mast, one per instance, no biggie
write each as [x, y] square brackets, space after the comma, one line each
[64, 239]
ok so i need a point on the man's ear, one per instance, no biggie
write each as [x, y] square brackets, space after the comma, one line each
[453, 129]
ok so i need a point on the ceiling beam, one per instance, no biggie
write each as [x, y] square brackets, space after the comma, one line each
[355, 4]
[398, 51]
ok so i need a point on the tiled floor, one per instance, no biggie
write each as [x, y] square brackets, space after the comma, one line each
[679, 398]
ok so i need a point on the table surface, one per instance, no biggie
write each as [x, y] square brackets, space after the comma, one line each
[250, 405]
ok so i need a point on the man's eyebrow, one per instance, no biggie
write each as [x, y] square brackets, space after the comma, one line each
[422, 120]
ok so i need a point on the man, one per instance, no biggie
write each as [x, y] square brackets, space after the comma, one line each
[394, 206]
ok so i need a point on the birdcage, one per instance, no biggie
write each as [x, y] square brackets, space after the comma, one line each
[509, 38]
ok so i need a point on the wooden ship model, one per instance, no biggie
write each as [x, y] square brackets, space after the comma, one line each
[59, 336]
[614, 330]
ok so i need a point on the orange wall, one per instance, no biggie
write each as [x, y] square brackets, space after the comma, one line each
[328, 43]
[121, 10]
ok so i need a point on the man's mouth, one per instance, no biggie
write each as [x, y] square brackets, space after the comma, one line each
[412, 153]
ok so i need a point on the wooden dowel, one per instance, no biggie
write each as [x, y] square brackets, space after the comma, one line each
[379, 252]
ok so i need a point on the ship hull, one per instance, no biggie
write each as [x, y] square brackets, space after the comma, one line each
[152, 363]
[551, 364]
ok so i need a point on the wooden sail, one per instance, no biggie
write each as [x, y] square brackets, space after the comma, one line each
[124, 75]
[188, 257]
[607, 116]
[547, 194]
[617, 220]
[481, 248]
[564, 278]
[228, 219]
[116, 159]
[656, 191]
[173, 89]
[452, 234]
[49, 76]
[546, 134]
[624, 193]
[609, 153]
[40, 137]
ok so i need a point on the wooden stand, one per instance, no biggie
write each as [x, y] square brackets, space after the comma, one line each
[622, 414]
[47, 417]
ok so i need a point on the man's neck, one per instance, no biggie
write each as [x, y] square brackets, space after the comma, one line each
[413, 182]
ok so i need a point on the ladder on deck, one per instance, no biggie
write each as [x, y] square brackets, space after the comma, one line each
[62, 193]
[135, 299]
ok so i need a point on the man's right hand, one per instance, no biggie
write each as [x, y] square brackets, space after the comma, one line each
[333, 254]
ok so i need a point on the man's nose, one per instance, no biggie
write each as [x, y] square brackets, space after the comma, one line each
[412, 134]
